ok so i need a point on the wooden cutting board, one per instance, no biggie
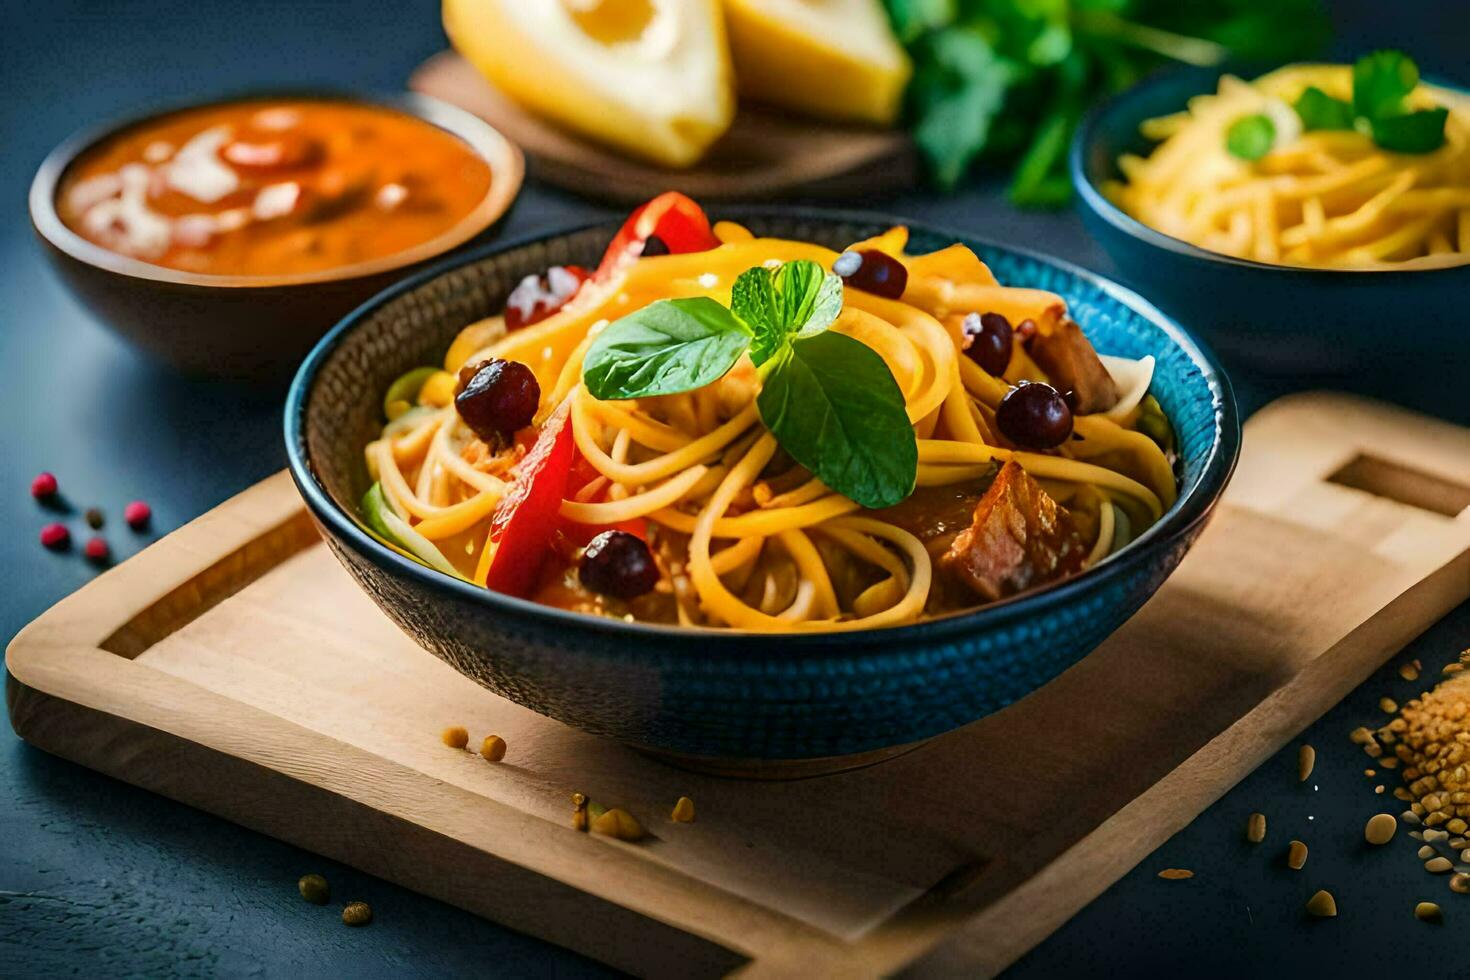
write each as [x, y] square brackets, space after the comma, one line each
[765, 154]
[235, 667]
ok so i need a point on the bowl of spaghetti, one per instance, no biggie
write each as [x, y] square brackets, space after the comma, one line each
[793, 488]
[1278, 219]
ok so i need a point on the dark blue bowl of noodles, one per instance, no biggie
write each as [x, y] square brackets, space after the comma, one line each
[732, 701]
[1388, 329]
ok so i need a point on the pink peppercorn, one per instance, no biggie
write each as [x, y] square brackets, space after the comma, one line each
[137, 514]
[96, 549]
[43, 486]
[55, 536]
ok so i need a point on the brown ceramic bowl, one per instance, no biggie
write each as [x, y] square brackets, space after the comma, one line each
[250, 327]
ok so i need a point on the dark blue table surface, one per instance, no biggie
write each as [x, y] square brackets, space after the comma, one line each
[99, 878]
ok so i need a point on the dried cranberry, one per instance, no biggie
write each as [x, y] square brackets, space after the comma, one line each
[1034, 415]
[988, 341]
[137, 514]
[873, 272]
[618, 564]
[96, 549]
[537, 297]
[56, 537]
[497, 398]
[653, 246]
[43, 486]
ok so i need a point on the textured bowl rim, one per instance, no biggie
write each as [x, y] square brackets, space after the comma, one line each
[1092, 197]
[1189, 511]
[507, 173]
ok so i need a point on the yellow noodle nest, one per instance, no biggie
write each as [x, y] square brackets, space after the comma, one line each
[692, 464]
[1324, 199]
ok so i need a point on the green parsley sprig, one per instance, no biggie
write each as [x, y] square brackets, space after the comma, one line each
[1381, 82]
[829, 400]
[1009, 79]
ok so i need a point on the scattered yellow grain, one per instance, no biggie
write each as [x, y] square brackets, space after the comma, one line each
[1296, 855]
[358, 913]
[1306, 759]
[1438, 865]
[1380, 828]
[1428, 912]
[1460, 884]
[683, 811]
[1322, 905]
[618, 823]
[493, 748]
[1409, 672]
[1388, 705]
[455, 736]
[1176, 874]
[1255, 828]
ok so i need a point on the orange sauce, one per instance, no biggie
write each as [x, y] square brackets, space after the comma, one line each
[272, 188]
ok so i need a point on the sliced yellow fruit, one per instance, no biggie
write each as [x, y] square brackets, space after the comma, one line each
[835, 59]
[649, 77]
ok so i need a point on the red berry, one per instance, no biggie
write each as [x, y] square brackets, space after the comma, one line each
[137, 514]
[96, 549]
[497, 398]
[55, 536]
[43, 486]
[1034, 415]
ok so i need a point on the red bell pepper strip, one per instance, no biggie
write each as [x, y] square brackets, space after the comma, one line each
[521, 530]
[673, 217]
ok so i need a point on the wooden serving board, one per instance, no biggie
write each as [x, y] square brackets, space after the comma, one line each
[765, 154]
[235, 667]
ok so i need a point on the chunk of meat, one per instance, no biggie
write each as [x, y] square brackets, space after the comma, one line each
[1067, 357]
[1019, 539]
[936, 515]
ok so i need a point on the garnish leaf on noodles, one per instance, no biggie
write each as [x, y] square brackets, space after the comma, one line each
[834, 406]
[1318, 110]
[667, 347]
[1412, 132]
[799, 297]
[829, 400]
[1250, 137]
[1381, 82]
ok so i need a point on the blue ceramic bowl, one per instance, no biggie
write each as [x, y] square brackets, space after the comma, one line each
[1273, 318]
[724, 698]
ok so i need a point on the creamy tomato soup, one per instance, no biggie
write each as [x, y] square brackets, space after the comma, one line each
[272, 188]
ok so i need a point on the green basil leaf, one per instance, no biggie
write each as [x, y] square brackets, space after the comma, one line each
[799, 297]
[1250, 137]
[1412, 132]
[669, 346]
[1318, 110]
[811, 297]
[753, 299]
[1381, 81]
[834, 406]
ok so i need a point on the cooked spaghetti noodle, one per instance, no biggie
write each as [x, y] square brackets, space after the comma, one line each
[743, 536]
[1324, 198]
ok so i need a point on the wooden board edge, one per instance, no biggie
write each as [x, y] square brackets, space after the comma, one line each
[130, 715]
[1006, 930]
[584, 921]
